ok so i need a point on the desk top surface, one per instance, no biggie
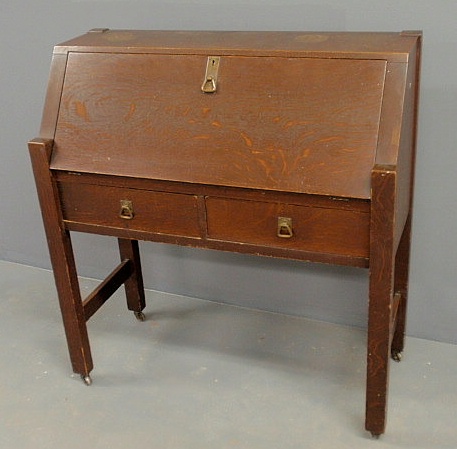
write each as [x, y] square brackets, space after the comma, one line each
[372, 45]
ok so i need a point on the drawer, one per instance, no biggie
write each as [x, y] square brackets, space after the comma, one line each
[303, 228]
[124, 208]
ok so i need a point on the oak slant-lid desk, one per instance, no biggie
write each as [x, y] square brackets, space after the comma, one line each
[284, 144]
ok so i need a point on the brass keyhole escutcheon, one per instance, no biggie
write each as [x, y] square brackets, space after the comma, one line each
[126, 211]
[209, 85]
[285, 230]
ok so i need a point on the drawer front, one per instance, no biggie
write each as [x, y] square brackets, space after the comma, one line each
[314, 229]
[123, 208]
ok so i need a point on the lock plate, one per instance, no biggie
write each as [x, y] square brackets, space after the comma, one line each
[212, 68]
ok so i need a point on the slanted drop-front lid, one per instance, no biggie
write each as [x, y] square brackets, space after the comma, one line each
[305, 125]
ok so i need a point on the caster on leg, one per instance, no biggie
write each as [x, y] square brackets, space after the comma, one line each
[86, 379]
[375, 436]
[396, 355]
[140, 316]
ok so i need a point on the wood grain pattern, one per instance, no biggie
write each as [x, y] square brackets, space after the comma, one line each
[317, 230]
[274, 123]
[327, 202]
[106, 288]
[320, 128]
[165, 213]
[392, 47]
[402, 260]
[380, 318]
[63, 263]
[53, 95]
[134, 288]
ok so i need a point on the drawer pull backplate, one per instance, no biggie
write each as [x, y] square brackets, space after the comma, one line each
[285, 228]
[126, 211]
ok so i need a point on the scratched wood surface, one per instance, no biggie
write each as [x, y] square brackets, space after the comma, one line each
[381, 321]
[166, 213]
[330, 231]
[319, 128]
[286, 124]
[389, 46]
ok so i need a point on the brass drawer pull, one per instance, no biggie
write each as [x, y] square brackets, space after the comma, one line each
[126, 210]
[209, 86]
[285, 230]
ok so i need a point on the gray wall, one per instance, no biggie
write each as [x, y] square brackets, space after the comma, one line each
[28, 31]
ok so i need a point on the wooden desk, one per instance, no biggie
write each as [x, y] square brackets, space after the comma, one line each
[284, 144]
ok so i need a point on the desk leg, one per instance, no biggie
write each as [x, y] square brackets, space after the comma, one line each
[62, 260]
[382, 267]
[134, 289]
[401, 286]
[378, 358]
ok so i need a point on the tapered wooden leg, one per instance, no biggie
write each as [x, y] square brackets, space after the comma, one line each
[134, 288]
[382, 266]
[62, 259]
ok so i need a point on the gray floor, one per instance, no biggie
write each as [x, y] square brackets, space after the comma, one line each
[201, 375]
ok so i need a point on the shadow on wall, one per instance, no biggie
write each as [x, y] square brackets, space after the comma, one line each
[323, 292]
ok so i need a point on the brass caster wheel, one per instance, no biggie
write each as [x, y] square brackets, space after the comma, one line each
[396, 355]
[140, 316]
[86, 379]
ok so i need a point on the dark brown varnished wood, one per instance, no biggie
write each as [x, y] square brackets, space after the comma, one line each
[134, 288]
[323, 142]
[315, 130]
[159, 212]
[325, 201]
[316, 230]
[353, 45]
[106, 289]
[62, 259]
[402, 259]
[381, 296]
